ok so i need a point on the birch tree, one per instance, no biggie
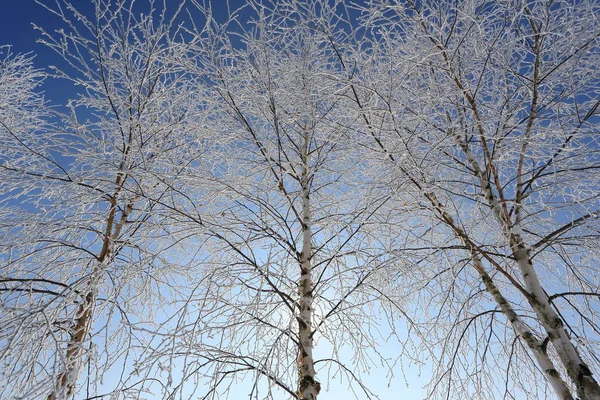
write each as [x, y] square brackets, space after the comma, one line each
[86, 251]
[291, 254]
[306, 176]
[492, 111]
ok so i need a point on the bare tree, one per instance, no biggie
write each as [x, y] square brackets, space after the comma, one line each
[86, 250]
[251, 202]
[291, 255]
[489, 115]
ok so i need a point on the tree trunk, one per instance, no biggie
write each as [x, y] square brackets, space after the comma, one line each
[308, 387]
[66, 380]
[577, 369]
[536, 346]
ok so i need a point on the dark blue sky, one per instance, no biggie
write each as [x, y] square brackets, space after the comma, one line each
[17, 16]
[16, 29]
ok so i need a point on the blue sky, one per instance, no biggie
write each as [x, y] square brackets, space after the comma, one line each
[17, 20]
[16, 29]
[17, 17]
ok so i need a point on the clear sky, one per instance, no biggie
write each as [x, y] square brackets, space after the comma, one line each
[17, 18]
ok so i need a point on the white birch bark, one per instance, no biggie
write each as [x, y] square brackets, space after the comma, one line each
[308, 387]
[66, 380]
[577, 370]
[536, 345]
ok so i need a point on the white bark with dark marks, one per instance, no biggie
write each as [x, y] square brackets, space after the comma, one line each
[577, 370]
[308, 387]
[537, 346]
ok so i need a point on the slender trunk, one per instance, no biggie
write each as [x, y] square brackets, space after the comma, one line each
[577, 370]
[65, 382]
[537, 347]
[308, 387]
